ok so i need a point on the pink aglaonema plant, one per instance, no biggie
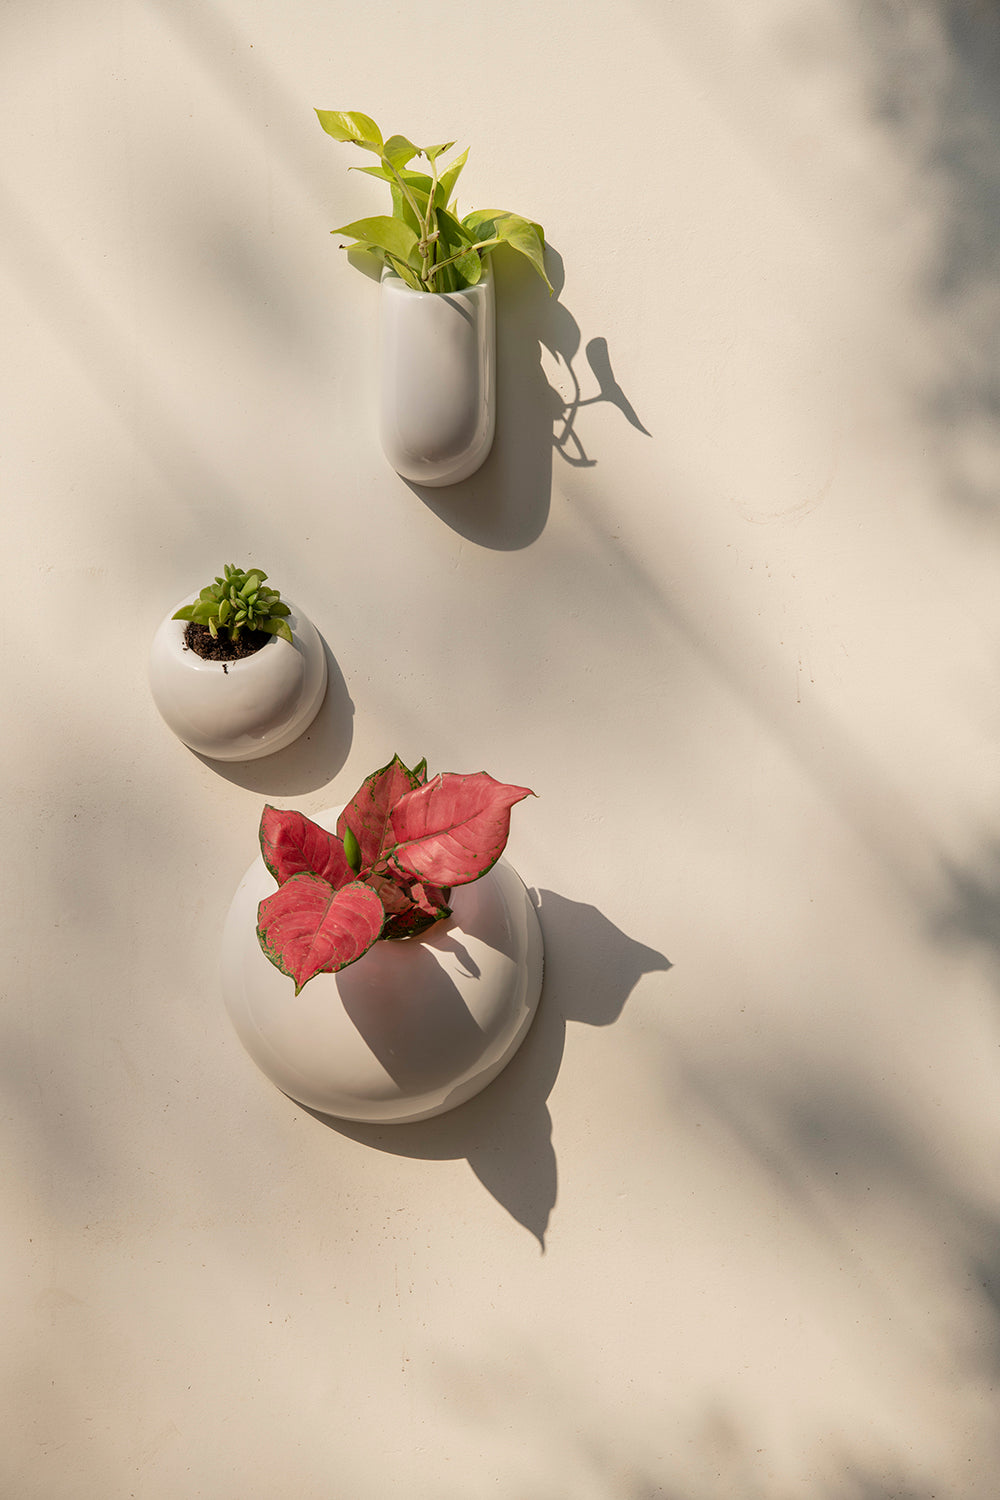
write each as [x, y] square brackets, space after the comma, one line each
[401, 843]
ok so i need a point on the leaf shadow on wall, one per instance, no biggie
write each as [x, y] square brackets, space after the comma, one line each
[505, 1133]
[505, 504]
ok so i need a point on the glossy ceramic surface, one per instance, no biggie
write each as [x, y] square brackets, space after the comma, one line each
[438, 379]
[413, 1028]
[240, 710]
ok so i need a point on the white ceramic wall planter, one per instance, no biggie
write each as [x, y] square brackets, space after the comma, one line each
[239, 710]
[412, 1029]
[438, 379]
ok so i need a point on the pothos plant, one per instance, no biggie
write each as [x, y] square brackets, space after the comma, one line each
[402, 843]
[423, 240]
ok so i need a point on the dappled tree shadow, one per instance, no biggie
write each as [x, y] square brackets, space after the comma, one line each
[970, 912]
[714, 1454]
[935, 89]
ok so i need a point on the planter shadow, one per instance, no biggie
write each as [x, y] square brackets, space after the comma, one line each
[504, 505]
[312, 760]
[505, 1133]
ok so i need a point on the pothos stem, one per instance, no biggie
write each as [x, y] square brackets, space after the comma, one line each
[403, 188]
[427, 239]
[482, 245]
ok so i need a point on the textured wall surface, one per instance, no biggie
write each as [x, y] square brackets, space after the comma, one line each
[725, 595]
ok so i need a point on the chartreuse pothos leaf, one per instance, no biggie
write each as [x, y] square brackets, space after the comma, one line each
[448, 178]
[398, 151]
[358, 129]
[403, 207]
[290, 843]
[510, 229]
[456, 241]
[454, 828]
[418, 182]
[440, 268]
[404, 273]
[307, 928]
[433, 152]
[409, 194]
[385, 233]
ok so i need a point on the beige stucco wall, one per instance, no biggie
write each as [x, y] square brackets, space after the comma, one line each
[728, 1225]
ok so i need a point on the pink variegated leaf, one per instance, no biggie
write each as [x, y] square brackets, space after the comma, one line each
[368, 812]
[415, 907]
[430, 899]
[409, 907]
[307, 928]
[411, 923]
[454, 829]
[291, 843]
[392, 890]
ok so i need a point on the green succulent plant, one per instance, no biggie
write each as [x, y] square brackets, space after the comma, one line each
[239, 601]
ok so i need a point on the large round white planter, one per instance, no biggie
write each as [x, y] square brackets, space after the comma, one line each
[438, 379]
[239, 710]
[414, 1028]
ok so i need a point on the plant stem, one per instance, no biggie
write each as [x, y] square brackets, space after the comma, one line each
[404, 189]
[427, 273]
[482, 245]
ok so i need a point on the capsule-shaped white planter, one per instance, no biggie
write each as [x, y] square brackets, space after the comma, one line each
[438, 379]
[239, 710]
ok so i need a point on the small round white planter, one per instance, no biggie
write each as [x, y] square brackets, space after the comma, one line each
[412, 1029]
[438, 379]
[239, 710]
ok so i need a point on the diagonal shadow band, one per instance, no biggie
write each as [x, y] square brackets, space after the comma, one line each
[505, 1133]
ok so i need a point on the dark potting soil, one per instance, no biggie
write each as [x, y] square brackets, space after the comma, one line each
[198, 638]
